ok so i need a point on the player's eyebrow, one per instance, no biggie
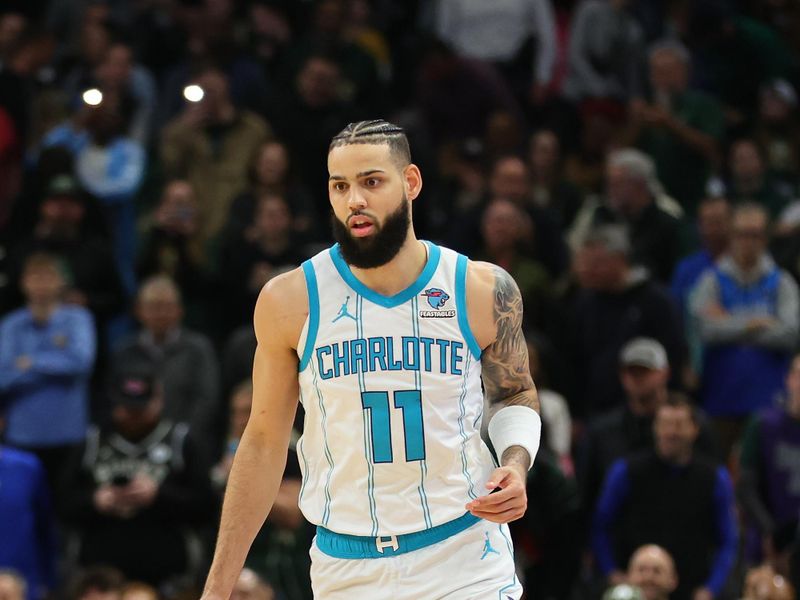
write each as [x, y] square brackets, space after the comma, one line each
[358, 175]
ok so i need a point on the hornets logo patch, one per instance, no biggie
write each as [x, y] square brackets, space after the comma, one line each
[437, 299]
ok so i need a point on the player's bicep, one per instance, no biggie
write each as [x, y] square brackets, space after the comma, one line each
[275, 383]
[504, 363]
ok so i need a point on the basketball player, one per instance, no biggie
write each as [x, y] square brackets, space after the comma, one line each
[385, 340]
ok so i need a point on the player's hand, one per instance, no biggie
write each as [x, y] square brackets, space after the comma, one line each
[506, 504]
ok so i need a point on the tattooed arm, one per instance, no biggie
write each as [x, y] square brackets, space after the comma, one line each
[495, 314]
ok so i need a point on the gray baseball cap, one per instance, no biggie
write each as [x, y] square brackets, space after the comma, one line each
[644, 352]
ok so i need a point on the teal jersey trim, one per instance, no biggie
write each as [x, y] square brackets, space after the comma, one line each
[461, 306]
[462, 415]
[434, 252]
[313, 313]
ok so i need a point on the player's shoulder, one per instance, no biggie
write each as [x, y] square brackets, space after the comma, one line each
[486, 278]
[282, 305]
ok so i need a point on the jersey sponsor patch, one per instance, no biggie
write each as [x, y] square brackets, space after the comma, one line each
[437, 299]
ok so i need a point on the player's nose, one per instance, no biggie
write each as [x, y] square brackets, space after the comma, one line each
[356, 200]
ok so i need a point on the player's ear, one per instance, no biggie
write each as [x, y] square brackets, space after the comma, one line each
[413, 181]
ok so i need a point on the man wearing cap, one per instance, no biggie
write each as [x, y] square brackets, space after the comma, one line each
[644, 372]
[672, 497]
[136, 486]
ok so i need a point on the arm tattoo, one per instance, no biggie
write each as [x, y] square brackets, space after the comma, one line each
[506, 376]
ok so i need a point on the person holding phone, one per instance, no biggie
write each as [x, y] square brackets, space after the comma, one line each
[136, 486]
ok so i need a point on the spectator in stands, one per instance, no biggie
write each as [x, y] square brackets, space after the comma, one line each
[680, 128]
[306, 115]
[763, 583]
[171, 246]
[47, 351]
[185, 358]
[506, 229]
[211, 144]
[273, 173]
[135, 488]
[750, 182]
[605, 53]
[96, 583]
[777, 129]
[109, 164]
[248, 258]
[27, 527]
[615, 303]
[644, 372]
[652, 570]
[671, 497]
[63, 229]
[517, 37]
[551, 191]
[747, 314]
[634, 197]
[12, 586]
[770, 466]
[136, 590]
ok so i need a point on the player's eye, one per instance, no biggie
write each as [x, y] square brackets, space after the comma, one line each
[340, 186]
[372, 181]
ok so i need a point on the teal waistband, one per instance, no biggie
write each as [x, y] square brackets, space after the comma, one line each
[340, 545]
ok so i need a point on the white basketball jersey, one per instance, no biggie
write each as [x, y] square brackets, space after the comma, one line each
[392, 396]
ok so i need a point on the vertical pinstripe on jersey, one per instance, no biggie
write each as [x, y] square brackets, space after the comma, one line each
[366, 419]
[514, 573]
[326, 513]
[303, 457]
[423, 464]
[462, 415]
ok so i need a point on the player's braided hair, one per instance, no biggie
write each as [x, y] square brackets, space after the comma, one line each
[376, 131]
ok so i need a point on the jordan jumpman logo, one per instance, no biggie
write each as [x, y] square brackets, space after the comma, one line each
[344, 312]
[487, 547]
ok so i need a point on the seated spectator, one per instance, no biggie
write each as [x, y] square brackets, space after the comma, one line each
[615, 303]
[63, 230]
[136, 590]
[605, 52]
[211, 144]
[185, 359]
[96, 583]
[135, 487]
[748, 318]
[110, 166]
[47, 352]
[777, 130]
[680, 128]
[750, 181]
[652, 570]
[763, 583]
[633, 197]
[768, 467]
[506, 230]
[644, 372]
[671, 497]
[171, 246]
[27, 527]
[273, 173]
[551, 191]
[250, 257]
[517, 37]
[714, 227]
[12, 586]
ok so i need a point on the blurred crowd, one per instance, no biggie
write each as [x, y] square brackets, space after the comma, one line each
[634, 164]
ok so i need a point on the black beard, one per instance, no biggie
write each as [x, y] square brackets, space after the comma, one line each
[378, 249]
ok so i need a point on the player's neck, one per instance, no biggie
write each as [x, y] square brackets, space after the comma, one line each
[398, 273]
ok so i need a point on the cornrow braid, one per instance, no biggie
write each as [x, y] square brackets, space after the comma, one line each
[376, 131]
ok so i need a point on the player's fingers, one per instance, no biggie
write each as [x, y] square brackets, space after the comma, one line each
[499, 507]
[499, 478]
[503, 517]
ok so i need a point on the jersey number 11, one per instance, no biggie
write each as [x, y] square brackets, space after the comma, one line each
[410, 403]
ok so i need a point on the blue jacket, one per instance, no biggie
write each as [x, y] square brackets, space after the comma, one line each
[47, 403]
